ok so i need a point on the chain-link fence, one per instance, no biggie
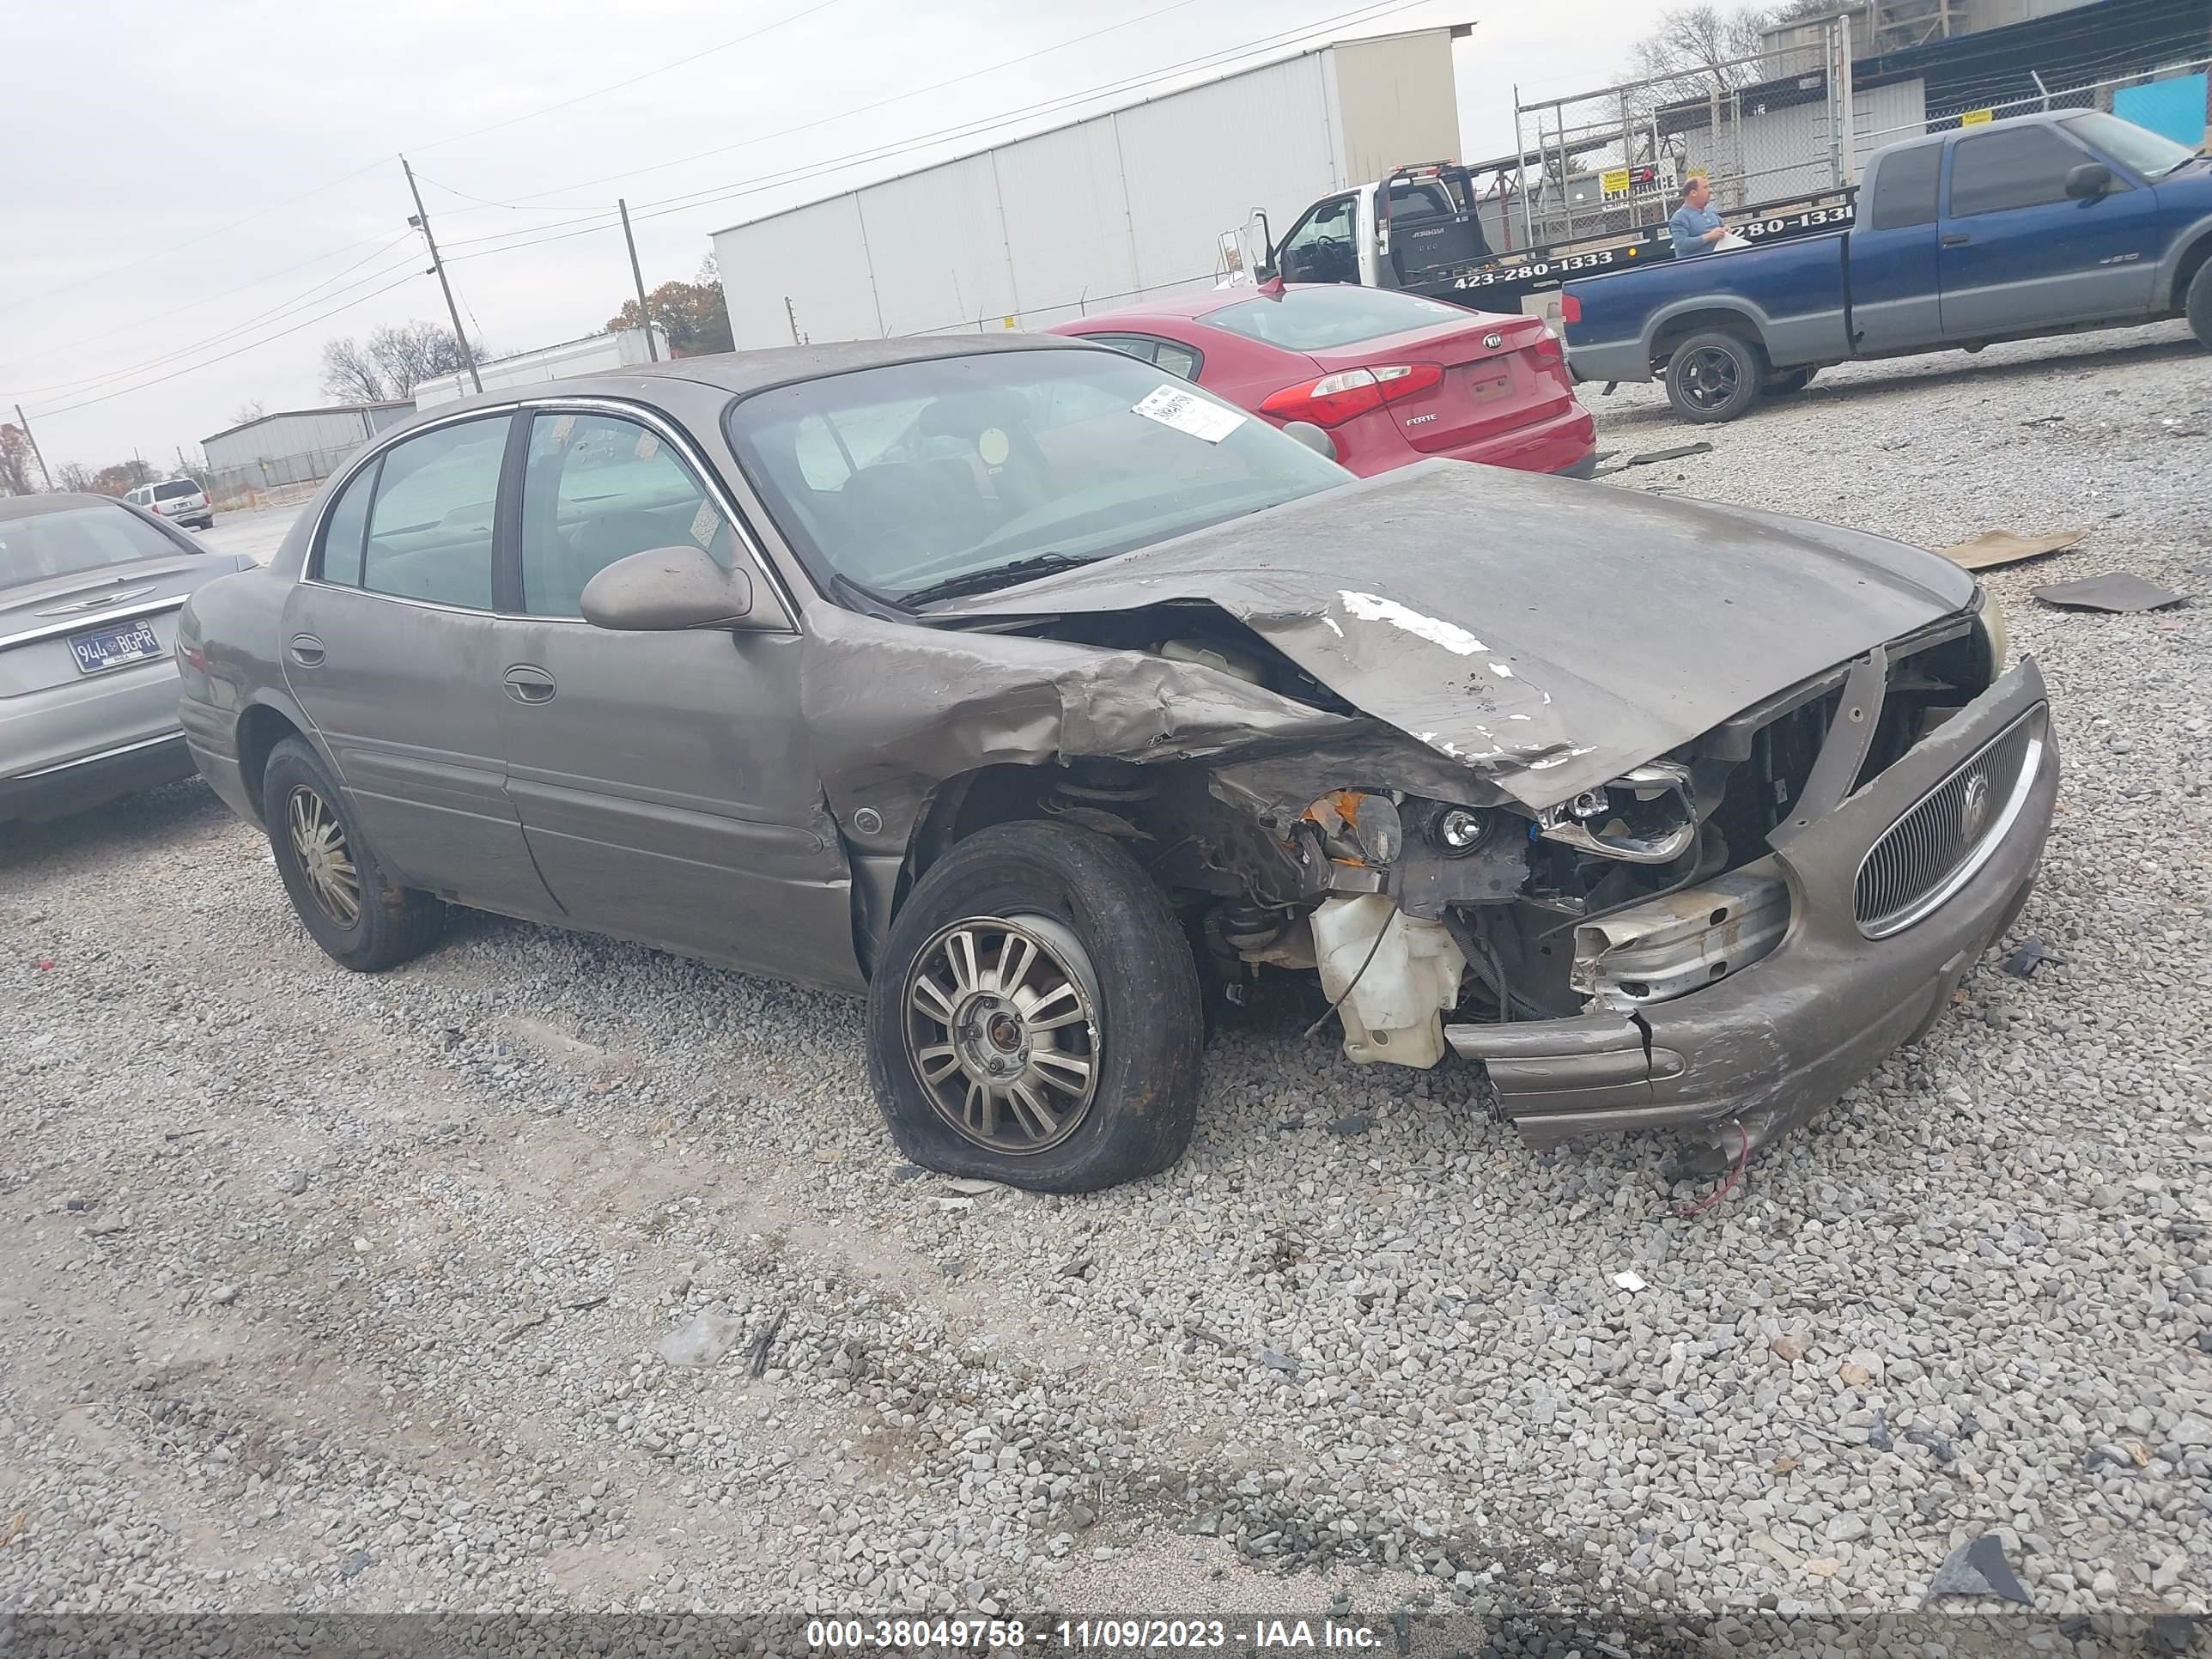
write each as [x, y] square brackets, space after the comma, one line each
[263, 475]
[1786, 125]
[1761, 129]
[2132, 97]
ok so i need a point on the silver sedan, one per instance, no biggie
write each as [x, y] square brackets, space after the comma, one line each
[89, 592]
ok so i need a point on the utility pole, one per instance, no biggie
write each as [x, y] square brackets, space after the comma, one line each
[34, 442]
[652, 352]
[422, 221]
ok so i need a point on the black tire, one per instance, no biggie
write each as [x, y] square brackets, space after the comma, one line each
[1715, 376]
[389, 924]
[1046, 886]
[2198, 304]
[1786, 382]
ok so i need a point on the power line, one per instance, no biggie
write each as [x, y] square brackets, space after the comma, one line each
[368, 166]
[305, 297]
[599, 92]
[863, 109]
[192, 241]
[251, 345]
[73, 346]
[666, 205]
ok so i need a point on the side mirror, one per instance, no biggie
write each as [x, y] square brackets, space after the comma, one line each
[2089, 180]
[1312, 437]
[665, 589]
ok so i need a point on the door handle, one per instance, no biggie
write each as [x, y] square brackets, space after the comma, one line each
[1955, 238]
[306, 651]
[526, 684]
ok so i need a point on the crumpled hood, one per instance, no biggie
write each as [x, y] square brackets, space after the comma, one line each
[1546, 633]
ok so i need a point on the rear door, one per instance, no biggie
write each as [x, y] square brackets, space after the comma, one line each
[391, 646]
[2018, 253]
[1895, 289]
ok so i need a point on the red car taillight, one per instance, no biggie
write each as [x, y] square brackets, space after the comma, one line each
[1335, 399]
[1547, 349]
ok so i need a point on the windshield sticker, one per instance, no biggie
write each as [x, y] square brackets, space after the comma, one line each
[563, 426]
[704, 523]
[993, 447]
[647, 446]
[1186, 411]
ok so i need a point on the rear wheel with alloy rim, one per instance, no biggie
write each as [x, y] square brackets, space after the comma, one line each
[1034, 1017]
[360, 918]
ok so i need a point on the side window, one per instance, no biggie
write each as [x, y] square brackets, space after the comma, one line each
[1904, 189]
[430, 530]
[1135, 345]
[600, 488]
[2026, 166]
[339, 559]
[1320, 247]
[1178, 360]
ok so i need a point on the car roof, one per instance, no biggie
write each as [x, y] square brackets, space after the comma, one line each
[25, 507]
[1180, 307]
[740, 373]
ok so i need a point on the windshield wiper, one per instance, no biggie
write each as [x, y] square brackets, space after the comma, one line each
[999, 575]
[889, 603]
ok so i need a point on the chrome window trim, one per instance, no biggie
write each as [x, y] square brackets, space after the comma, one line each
[663, 429]
[2031, 768]
[104, 754]
[92, 620]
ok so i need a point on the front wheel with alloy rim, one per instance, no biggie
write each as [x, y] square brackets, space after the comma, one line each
[351, 908]
[1715, 376]
[1035, 1017]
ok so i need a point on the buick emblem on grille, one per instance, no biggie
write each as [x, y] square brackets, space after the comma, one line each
[1494, 341]
[1974, 808]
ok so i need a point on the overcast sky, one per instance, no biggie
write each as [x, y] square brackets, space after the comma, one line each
[188, 182]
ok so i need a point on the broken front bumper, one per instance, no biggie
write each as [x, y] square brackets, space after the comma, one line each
[1782, 1039]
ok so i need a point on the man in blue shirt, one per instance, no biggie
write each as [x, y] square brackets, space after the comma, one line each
[1696, 226]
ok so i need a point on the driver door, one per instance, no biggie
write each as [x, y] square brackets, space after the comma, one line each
[1324, 246]
[665, 780]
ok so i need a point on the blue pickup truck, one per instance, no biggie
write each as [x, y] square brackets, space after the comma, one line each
[2042, 224]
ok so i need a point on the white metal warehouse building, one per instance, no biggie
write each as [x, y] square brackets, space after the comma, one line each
[296, 445]
[1097, 213]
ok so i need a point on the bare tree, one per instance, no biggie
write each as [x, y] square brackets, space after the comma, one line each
[391, 363]
[73, 475]
[14, 462]
[251, 409]
[350, 374]
[1701, 44]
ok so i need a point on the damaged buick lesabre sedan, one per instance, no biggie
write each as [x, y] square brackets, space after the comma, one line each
[1036, 694]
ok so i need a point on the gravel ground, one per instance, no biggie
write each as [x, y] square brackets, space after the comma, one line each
[319, 1292]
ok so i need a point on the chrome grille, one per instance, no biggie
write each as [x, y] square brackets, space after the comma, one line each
[1934, 848]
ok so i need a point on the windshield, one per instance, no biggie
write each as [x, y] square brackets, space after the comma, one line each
[1321, 319]
[72, 540]
[2137, 149]
[906, 476]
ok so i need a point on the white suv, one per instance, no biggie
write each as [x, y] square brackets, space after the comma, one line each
[179, 499]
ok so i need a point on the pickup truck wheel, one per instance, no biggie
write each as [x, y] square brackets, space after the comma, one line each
[1035, 1017]
[2199, 305]
[1714, 376]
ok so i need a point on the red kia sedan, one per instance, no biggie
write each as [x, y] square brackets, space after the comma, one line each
[1392, 378]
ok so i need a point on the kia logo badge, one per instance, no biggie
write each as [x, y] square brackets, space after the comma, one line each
[1494, 341]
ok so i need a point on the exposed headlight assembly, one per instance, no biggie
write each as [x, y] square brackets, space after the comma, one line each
[1643, 816]
[1990, 632]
